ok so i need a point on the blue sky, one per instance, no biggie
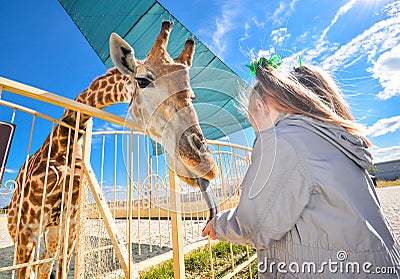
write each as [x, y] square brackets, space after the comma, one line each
[357, 41]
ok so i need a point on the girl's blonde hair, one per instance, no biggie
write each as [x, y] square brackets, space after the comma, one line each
[288, 95]
[322, 84]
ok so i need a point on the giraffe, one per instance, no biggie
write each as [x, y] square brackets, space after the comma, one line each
[168, 116]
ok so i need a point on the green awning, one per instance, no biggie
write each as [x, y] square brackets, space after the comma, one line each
[215, 85]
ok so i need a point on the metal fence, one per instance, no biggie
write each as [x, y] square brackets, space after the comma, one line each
[132, 212]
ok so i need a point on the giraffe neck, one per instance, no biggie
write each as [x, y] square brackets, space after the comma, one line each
[102, 92]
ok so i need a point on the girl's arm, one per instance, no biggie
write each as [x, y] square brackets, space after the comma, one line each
[275, 191]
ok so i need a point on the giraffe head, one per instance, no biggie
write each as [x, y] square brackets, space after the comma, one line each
[162, 103]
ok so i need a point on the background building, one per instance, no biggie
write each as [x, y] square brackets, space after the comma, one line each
[389, 170]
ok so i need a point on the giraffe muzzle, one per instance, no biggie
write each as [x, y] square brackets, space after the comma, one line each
[192, 150]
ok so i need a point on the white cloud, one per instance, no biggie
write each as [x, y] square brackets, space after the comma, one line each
[387, 71]
[384, 126]
[392, 9]
[342, 10]
[259, 24]
[383, 154]
[10, 171]
[279, 35]
[108, 127]
[246, 32]
[283, 11]
[322, 44]
[276, 17]
[303, 37]
[224, 24]
[246, 26]
[383, 35]
[232, 13]
[225, 138]
[265, 53]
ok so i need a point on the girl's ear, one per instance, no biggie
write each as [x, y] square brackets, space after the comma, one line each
[259, 104]
[262, 108]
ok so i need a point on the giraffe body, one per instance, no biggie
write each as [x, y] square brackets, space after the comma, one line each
[31, 181]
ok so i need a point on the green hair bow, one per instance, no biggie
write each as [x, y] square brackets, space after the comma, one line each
[300, 63]
[274, 61]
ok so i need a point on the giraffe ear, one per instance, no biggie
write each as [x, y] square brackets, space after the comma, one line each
[122, 55]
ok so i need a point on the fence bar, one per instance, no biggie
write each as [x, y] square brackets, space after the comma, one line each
[240, 267]
[44, 196]
[83, 201]
[22, 193]
[41, 95]
[69, 200]
[176, 221]
[248, 257]
[211, 258]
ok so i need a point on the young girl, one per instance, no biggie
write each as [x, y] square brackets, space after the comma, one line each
[308, 205]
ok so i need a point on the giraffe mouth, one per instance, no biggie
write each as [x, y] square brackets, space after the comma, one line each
[196, 157]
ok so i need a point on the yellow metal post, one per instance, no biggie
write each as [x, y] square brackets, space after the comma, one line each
[177, 231]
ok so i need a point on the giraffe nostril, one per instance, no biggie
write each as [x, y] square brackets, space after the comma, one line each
[197, 143]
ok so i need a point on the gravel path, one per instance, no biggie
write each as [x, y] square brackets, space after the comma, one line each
[390, 202]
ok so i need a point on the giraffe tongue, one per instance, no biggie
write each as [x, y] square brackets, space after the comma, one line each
[209, 196]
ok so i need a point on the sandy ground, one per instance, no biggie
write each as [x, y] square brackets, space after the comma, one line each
[390, 202]
[389, 198]
[5, 239]
[150, 238]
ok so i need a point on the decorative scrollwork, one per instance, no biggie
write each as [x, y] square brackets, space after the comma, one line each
[8, 189]
[184, 188]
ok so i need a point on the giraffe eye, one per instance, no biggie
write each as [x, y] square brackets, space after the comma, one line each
[144, 82]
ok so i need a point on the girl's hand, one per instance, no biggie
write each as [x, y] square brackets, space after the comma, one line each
[209, 230]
